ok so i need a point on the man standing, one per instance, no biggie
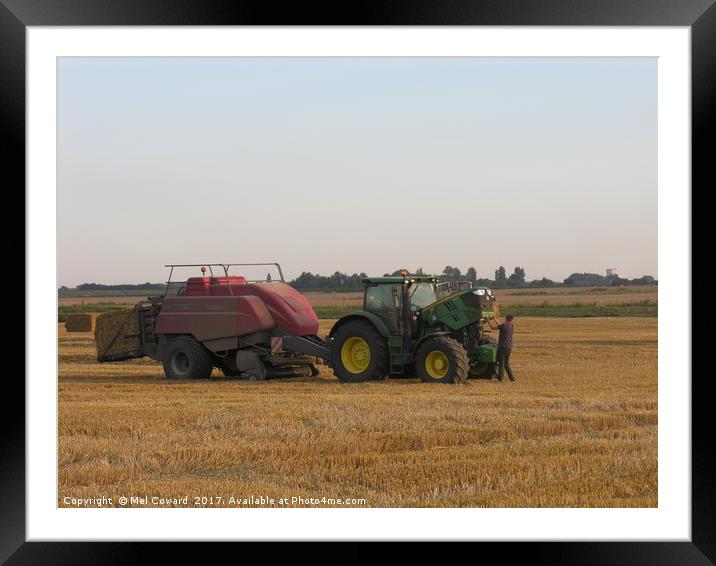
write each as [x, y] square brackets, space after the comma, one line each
[504, 345]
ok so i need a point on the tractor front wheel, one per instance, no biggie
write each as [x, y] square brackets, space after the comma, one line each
[484, 370]
[442, 360]
[185, 358]
[359, 352]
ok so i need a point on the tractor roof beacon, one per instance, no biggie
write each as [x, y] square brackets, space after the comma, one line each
[259, 329]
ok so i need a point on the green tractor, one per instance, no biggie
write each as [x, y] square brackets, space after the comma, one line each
[404, 329]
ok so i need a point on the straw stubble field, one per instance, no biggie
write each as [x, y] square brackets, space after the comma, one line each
[578, 428]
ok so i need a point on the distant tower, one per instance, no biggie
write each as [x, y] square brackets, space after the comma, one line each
[612, 272]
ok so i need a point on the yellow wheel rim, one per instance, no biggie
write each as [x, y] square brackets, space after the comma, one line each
[355, 355]
[437, 364]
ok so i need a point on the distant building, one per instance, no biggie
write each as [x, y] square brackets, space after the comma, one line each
[612, 272]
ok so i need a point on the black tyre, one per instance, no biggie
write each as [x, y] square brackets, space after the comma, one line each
[442, 360]
[185, 358]
[228, 368]
[359, 352]
[483, 371]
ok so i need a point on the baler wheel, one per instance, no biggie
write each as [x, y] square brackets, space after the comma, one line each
[185, 358]
[442, 360]
[359, 352]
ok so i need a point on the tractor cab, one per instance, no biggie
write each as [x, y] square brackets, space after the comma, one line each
[397, 299]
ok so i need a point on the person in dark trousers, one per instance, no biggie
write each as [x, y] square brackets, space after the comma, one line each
[504, 345]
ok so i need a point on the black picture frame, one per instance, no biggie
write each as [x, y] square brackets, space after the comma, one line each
[16, 15]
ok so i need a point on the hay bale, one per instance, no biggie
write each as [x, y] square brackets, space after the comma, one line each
[117, 335]
[79, 322]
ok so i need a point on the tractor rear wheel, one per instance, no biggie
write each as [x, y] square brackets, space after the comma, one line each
[185, 358]
[359, 352]
[442, 360]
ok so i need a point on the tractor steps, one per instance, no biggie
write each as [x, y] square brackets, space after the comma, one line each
[395, 350]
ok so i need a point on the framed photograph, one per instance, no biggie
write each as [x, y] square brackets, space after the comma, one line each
[392, 277]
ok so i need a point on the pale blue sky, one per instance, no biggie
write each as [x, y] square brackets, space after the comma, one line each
[356, 164]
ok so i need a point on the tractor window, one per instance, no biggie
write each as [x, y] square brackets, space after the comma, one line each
[384, 300]
[423, 294]
[379, 297]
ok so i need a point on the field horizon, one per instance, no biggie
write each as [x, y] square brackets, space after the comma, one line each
[552, 302]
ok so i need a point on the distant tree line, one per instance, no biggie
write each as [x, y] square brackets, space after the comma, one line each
[594, 279]
[515, 279]
[336, 282]
[518, 278]
[643, 280]
[339, 281]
